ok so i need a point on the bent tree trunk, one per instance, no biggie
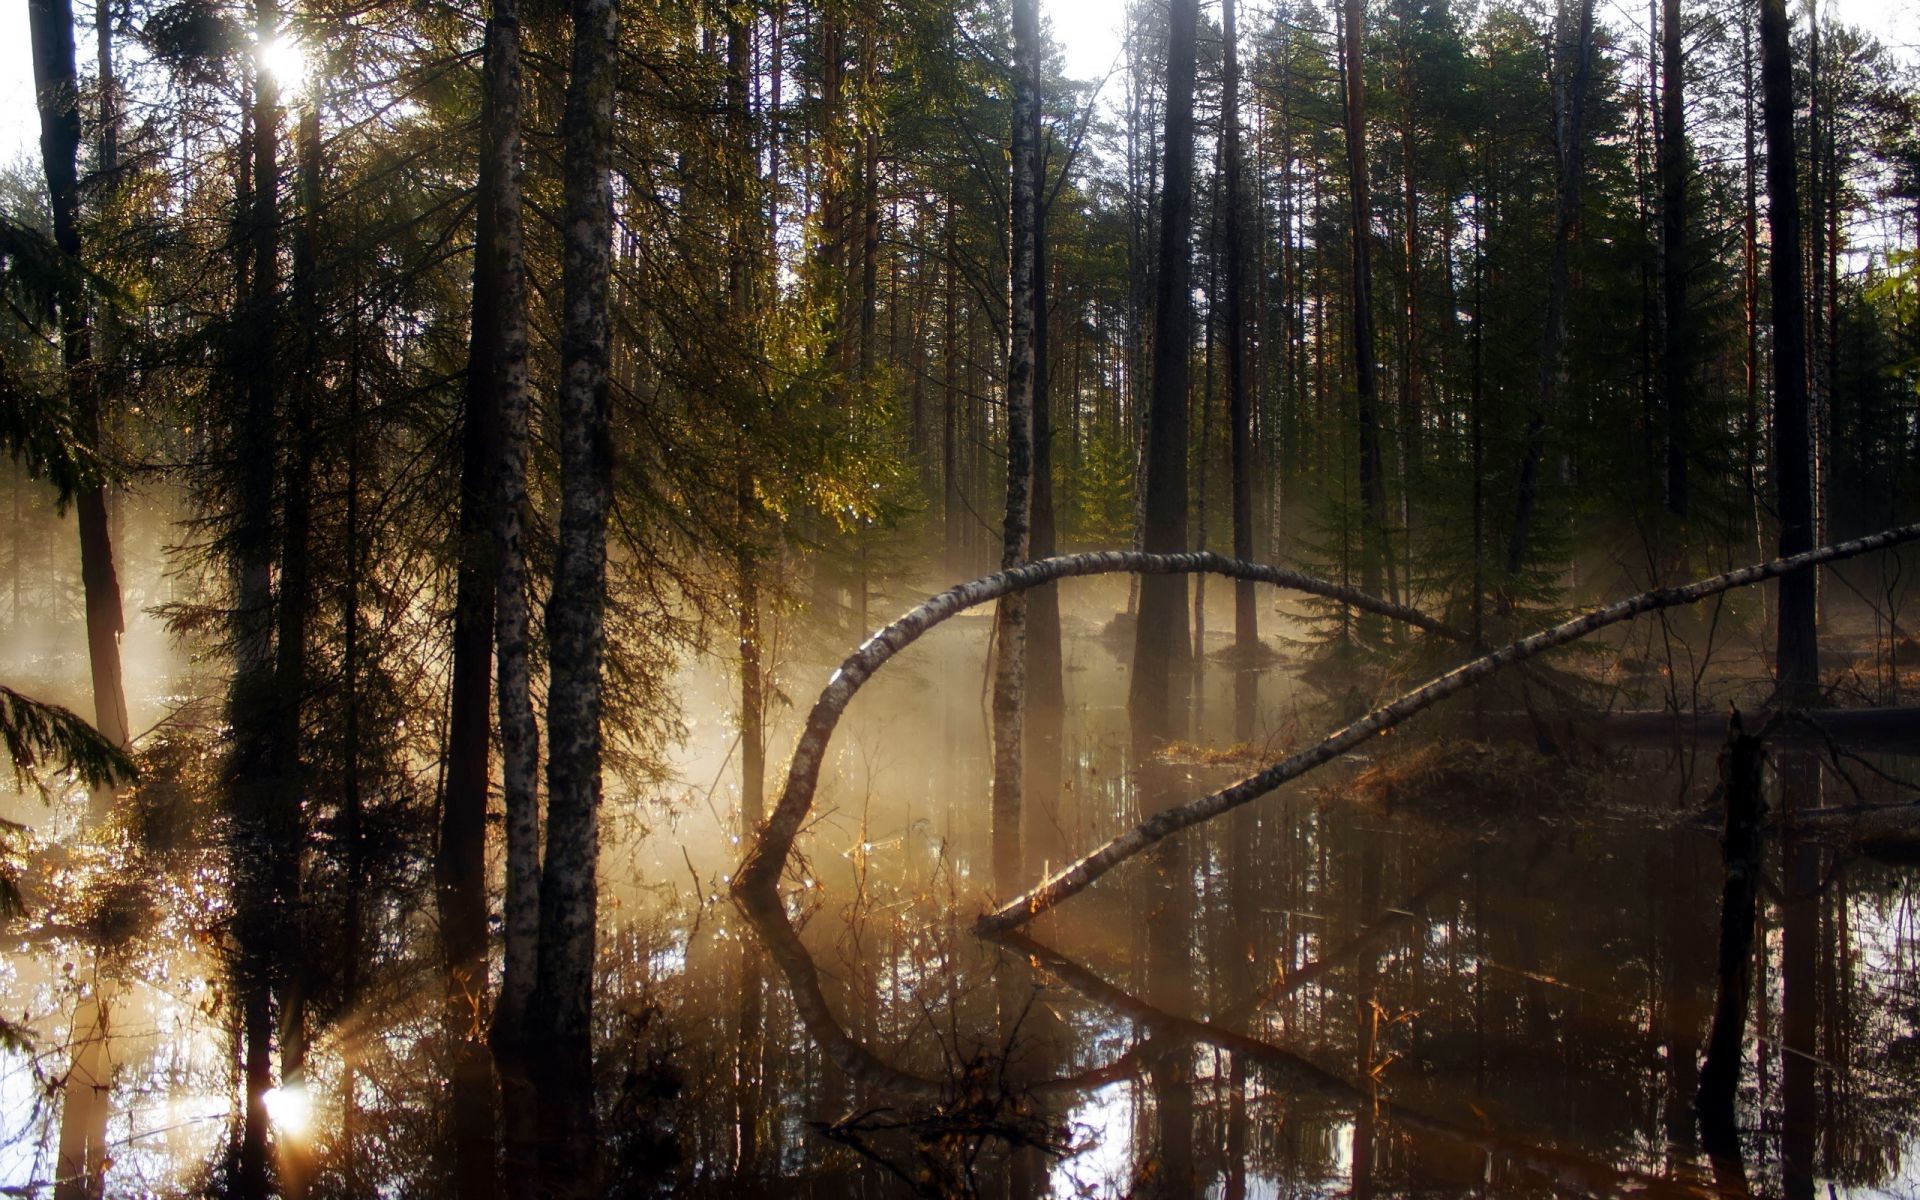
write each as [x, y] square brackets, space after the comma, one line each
[1078, 876]
[768, 854]
[560, 1027]
[759, 873]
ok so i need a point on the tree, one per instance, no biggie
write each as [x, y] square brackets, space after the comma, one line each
[1010, 669]
[560, 1034]
[1246, 621]
[1161, 640]
[1797, 652]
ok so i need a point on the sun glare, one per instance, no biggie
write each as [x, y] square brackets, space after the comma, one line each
[285, 60]
[290, 1108]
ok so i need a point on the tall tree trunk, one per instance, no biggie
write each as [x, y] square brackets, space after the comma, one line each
[1372, 472]
[519, 735]
[1797, 652]
[950, 505]
[1010, 663]
[1575, 69]
[1246, 620]
[1160, 636]
[1045, 686]
[85, 1108]
[1676, 372]
[255, 799]
[293, 608]
[561, 1025]
[57, 86]
[460, 866]
[741, 167]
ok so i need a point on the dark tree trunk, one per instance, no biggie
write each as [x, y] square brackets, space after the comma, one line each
[1740, 784]
[56, 81]
[1045, 688]
[1574, 71]
[1161, 643]
[460, 866]
[1676, 373]
[254, 797]
[1372, 472]
[1797, 654]
[561, 1025]
[506, 368]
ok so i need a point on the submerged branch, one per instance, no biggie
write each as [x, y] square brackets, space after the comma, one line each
[1079, 875]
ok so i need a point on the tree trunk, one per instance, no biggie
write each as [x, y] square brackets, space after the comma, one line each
[1161, 637]
[1010, 663]
[1575, 70]
[1676, 372]
[85, 1107]
[57, 85]
[1740, 784]
[561, 1025]
[519, 735]
[460, 864]
[1372, 472]
[254, 797]
[1797, 653]
[1246, 620]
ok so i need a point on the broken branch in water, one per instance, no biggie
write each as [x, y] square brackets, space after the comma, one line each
[1078, 876]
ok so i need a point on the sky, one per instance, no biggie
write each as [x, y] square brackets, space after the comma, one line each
[1089, 29]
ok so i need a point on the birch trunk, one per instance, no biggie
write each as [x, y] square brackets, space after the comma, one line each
[1078, 876]
[561, 1026]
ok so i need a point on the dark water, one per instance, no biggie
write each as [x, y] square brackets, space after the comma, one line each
[1309, 997]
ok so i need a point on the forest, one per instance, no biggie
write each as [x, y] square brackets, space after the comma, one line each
[777, 597]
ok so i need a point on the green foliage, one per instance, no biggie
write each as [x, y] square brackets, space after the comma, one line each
[38, 736]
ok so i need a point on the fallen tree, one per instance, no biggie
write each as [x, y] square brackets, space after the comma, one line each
[759, 873]
[1078, 876]
[760, 870]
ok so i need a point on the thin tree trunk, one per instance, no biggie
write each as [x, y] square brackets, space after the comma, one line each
[1010, 663]
[1676, 373]
[1161, 642]
[561, 1025]
[1797, 654]
[1246, 620]
[1372, 471]
[460, 864]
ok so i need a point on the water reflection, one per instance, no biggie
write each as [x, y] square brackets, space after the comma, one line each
[1308, 997]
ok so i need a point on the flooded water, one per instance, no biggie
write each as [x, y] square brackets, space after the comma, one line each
[1310, 997]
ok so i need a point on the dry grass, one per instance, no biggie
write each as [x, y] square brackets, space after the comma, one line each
[1459, 782]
